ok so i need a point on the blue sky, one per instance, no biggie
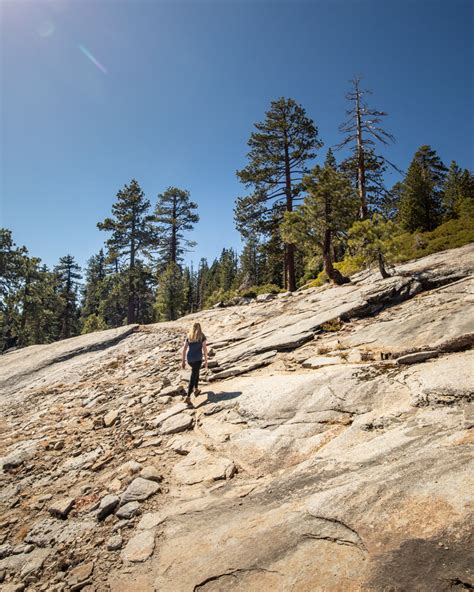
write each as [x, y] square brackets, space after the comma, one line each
[176, 86]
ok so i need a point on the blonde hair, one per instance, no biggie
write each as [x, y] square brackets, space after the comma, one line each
[195, 333]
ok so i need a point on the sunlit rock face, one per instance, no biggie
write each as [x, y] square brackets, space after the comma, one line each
[330, 448]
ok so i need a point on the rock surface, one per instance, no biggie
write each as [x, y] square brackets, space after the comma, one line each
[333, 451]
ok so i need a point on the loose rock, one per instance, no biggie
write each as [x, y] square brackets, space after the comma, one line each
[140, 547]
[139, 490]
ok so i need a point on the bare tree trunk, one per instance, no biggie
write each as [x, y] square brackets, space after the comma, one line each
[173, 234]
[131, 286]
[361, 183]
[332, 273]
[290, 283]
[383, 271]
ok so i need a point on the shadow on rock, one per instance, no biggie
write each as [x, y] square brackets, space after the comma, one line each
[219, 397]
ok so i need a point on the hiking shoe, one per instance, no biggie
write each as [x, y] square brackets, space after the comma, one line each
[197, 392]
[187, 400]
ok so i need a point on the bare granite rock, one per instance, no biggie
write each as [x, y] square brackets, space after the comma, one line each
[334, 451]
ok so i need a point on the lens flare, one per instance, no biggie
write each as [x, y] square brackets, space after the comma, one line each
[46, 29]
[95, 61]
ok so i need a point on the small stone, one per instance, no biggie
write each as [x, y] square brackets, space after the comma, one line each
[61, 507]
[140, 547]
[13, 587]
[110, 418]
[121, 524]
[45, 498]
[150, 520]
[131, 467]
[115, 485]
[151, 473]
[178, 408]
[416, 357]
[79, 576]
[107, 506]
[114, 543]
[177, 423]
[5, 550]
[139, 490]
[172, 391]
[35, 563]
[128, 510]
[19, 549]
[59, 445]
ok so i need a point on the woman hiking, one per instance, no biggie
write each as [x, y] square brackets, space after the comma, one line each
[194, 347]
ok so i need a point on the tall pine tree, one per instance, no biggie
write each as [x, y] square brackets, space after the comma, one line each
[68, 274]
[329, 209]
[133, 234]
[175, 214]
[421, 197]
[280, 148]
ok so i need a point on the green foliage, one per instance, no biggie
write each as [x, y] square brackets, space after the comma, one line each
[458, 194]
[93, 323]
[68, 274]
[254, 291]
[133, 234]
[450, 235]
[169, 297]
[174, 214]
[326, 214]
[223, 296]
[279, 150]
[372, 238]
[421, 196]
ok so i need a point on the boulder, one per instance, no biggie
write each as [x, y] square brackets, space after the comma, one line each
[139, 490]
[140, 547]
[60, 508]
[178, 408]
[199, 466]
[128, 510]
[176, 423]
[107, 506]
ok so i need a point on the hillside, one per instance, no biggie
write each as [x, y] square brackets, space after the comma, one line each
[330, 449]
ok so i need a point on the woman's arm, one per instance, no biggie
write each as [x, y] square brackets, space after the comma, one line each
[183, 357]
[204, 349]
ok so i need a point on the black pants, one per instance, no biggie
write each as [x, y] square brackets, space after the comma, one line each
[194, 380]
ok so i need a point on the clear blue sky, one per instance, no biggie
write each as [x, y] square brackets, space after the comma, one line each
[95, 92]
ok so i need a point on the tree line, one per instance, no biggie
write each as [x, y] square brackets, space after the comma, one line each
[297, 219]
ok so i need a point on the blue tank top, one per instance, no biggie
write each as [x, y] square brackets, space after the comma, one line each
[194, 350]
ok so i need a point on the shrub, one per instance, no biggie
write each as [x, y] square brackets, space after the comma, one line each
[93, 323]
[254, 291]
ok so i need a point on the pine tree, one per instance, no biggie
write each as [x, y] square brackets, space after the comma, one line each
[374, 168]
[94, 291]
[328, 210]
[421, 199]
[68, 274]
[133, 234]
[202, 277]
[390, 203]
[458, 192]
[280, 148]
[362, 131]
[250, 264]
[228, 263]
[188, 291]
[11, 276]
[169, 296]
[175, 214]
[372, 239]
